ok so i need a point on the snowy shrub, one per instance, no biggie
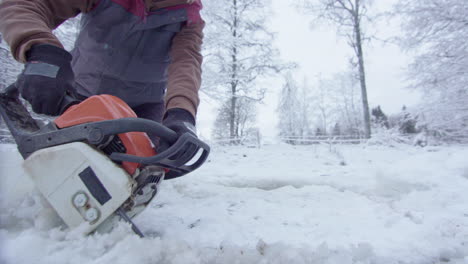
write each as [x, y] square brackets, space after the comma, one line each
[388, 137]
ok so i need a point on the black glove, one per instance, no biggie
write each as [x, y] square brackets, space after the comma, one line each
[180, 120]
[46, 78]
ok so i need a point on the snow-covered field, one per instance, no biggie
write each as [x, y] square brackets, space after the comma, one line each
[276, 204]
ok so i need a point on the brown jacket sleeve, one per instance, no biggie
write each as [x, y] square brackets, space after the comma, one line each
[24, 23]
[185, 69]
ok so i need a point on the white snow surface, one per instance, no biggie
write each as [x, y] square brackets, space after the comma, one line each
[274, 204]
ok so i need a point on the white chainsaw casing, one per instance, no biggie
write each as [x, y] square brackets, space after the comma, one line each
[83, 185]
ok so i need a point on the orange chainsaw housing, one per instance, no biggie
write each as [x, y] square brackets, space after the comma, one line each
[107, 107]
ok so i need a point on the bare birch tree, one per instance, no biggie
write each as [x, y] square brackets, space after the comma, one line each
[323, 105]
[238, 51]
[289, 109]
[244, 121]
[348, 16]
[347, 98]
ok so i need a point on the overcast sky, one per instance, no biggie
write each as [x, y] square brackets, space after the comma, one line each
[319, 50]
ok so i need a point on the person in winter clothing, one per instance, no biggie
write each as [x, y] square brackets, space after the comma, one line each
[146, 52]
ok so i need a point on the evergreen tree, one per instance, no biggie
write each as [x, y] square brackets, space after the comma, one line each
[379, 118]
[319, 132]
[336, 130]
[407, 123]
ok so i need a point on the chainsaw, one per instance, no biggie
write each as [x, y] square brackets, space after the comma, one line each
[95, 163]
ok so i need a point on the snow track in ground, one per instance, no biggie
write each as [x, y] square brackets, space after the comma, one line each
[277, 204]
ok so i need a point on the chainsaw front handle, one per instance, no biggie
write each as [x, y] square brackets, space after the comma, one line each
[175, 158]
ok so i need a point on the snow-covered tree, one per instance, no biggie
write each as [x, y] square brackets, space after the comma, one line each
[323, 105]
[407, 122]
[238, 51]
[438, 31]
[9, 68]
[319, 132]
[336, 130]
[336, 100]
[68, 32]
[348, 15]
[244, 121]
[293, 111]
[306, 110]
[287, 108]
[445, 116]
[344, 90]
[379, 118]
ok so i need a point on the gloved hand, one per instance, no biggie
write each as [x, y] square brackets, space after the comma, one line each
[180, 120]
[46, 78]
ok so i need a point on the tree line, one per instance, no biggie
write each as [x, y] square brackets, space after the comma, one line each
[436, 31]
[239, 53]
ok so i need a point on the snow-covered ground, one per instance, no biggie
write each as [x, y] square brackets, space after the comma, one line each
[276, 204]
